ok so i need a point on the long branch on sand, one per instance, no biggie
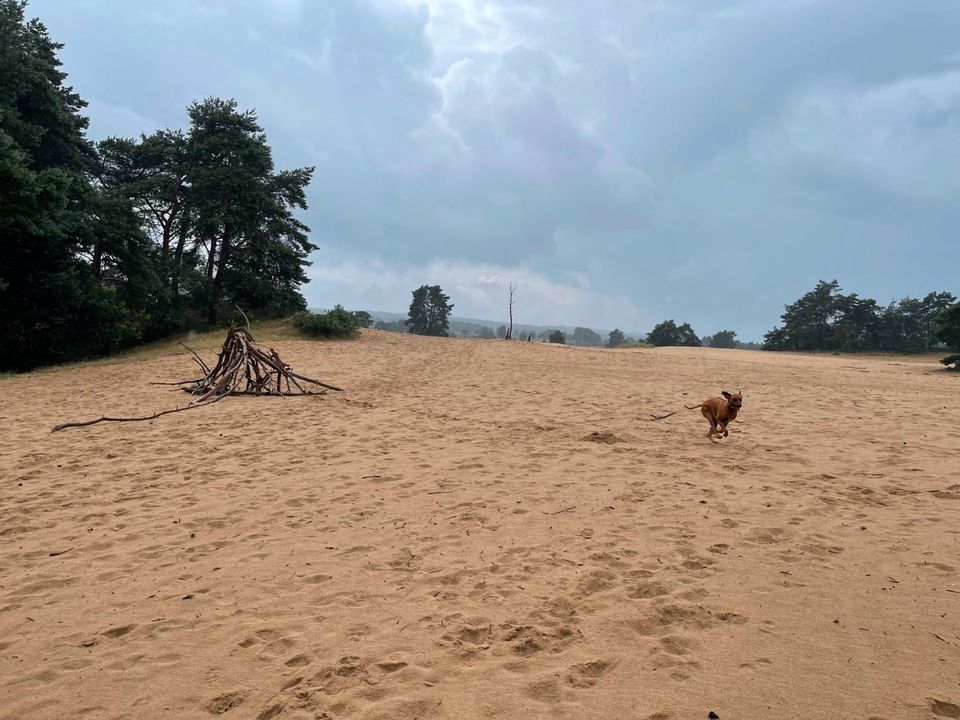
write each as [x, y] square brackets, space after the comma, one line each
[242, 368]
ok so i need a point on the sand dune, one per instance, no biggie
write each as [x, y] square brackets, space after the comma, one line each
[483, 529]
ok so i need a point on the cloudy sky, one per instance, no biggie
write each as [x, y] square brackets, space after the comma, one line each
[623, 161]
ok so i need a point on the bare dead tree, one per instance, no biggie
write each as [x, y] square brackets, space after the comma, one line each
[513, 288]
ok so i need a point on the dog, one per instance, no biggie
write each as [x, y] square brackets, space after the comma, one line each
[720, 411]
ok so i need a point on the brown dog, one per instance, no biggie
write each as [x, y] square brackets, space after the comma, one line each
[720, 411]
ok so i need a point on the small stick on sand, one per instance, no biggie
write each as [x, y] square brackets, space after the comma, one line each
[655, 418]
[572, 507]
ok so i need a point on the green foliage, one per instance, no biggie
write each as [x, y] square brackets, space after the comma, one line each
[53, 307]
[337, 323]
[826, 319]
[723, 339]
[947, 331]
[363, 318]
[429, 312]
[485, 333]
[557, 338]
[947, 327]
[586, 336]
[113, 245]
[616, 338]
[668, 333]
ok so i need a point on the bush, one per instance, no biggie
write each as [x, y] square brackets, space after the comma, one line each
[338, 323]
[557, 338]
[952, 360]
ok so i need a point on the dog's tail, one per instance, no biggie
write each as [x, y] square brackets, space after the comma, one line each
[693, 407]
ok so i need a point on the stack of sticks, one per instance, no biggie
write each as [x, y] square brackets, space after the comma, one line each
[242, 368]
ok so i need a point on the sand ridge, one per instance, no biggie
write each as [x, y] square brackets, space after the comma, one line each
[482, 529]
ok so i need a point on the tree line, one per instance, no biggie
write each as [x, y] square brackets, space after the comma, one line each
[118, 242]
[827, 319]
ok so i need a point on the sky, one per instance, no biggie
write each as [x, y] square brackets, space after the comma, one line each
[621, 161]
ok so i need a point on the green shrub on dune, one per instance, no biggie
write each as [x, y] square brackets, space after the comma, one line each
[337, 323]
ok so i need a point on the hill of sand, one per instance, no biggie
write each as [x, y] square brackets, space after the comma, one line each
[483, 529]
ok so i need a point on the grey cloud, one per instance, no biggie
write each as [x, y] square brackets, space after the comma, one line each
[646, 146]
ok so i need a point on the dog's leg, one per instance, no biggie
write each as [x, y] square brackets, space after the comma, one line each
[712, 431]
[723, 427]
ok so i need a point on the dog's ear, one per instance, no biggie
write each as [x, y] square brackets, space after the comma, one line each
[725, 394]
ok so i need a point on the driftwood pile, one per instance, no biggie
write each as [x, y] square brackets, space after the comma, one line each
[242, 368]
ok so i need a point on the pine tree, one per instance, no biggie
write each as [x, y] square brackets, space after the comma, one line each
[429, 312]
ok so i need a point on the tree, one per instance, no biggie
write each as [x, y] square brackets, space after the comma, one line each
[687, 337]
[485, 333]
[556, 337]
[722, 339]
[668, 333]
[947, 327]
[502, 332]
[509, 333]
[240, 208]
[429, 311]
[53, 306]
[106, 246]
[827, 319]
[616, 338]
[363, 318]
[586, 336]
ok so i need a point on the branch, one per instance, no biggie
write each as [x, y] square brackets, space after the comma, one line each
[64, 426]
[203, 365]
[655, 418]
[244, 317]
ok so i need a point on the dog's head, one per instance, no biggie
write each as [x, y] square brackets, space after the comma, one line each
[734, 400]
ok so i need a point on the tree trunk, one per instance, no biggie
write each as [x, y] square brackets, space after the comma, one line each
[216, 281]
[211, 288]
[166, 235]
[178, 258]
[98, 260]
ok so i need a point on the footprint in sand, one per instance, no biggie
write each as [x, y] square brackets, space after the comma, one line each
[642, 591]
[588, 674]
[942, 708]
[118, 631]
[548, 691]
[225, 703]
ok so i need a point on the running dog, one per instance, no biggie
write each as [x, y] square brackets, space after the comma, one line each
[719, 411]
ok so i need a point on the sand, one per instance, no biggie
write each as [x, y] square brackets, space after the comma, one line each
[482, 529]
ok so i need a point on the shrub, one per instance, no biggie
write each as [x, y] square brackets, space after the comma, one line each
[952, 360]
[557, 338]
[338, 323]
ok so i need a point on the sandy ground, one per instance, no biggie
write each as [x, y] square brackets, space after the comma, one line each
[483, 529]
